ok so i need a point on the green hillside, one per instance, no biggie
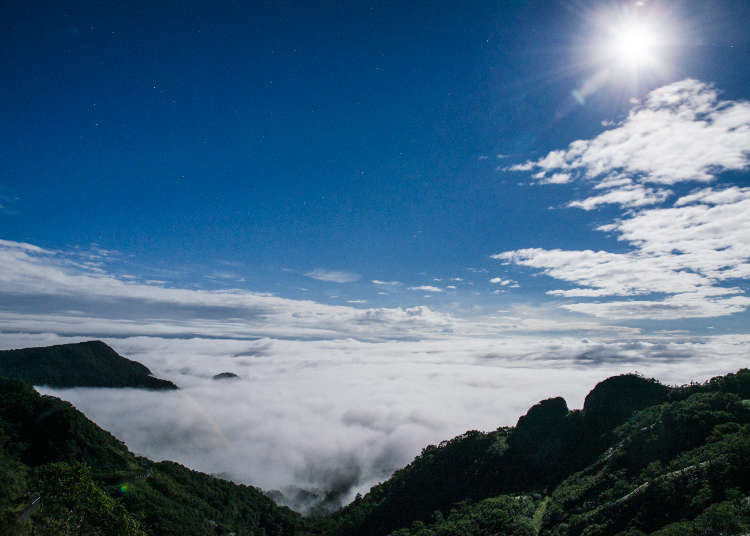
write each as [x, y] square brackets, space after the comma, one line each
[85, 364]
[639, 458]
[89, 483]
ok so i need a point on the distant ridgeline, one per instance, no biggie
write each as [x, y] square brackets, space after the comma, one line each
[639, 459]
[85, 364]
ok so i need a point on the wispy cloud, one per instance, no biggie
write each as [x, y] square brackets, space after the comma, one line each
[229, 276]
[682, 258]
[386, 283]
[504, 282]
[333, 276]
[682, 132]
[426, 288]
[626, 196]
[45, 291]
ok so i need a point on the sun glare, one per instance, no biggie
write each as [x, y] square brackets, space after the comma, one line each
[633, 44]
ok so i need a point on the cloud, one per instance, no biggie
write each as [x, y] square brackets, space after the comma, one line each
[629, 196]
[230, 276]
[45, 291]
[682, 132]
[333, 276]
[504, 282]
[682, 259]
[709, 196]
[427, 288]
[386, 283]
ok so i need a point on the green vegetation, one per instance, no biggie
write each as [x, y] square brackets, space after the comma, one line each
[639, 459]
[89, 483]
[85, 364]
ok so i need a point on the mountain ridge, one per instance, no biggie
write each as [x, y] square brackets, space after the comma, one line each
[83, 364]
[471, 483]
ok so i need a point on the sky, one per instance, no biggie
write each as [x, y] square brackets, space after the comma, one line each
[394, 222]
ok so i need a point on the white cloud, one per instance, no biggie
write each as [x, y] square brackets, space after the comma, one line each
[42, 290]
[386, 283]
[682, 132]
[427, 288]
[710, 196]
[333, 276]
[224, 275]
[504, 282]
[629, 196]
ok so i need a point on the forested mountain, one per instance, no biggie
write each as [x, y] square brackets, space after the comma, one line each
[89, 483]
[85, 364]
[639, 458]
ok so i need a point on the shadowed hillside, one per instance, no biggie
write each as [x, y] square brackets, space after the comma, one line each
[89, 483]
[85, 364]
[640, 458]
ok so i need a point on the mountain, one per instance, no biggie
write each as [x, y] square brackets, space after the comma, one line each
[226, 376]
[639, 458]
[85, 364]
[87, 481]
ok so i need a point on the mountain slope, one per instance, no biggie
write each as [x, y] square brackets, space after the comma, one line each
[91, 484]
[85, 364]
[562, 472]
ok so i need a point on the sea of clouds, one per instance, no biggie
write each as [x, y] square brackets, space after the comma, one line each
[337, 416]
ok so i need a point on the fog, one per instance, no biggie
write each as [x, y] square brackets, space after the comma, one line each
[337, 416]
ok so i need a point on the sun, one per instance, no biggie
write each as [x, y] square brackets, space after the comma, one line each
[633, 44]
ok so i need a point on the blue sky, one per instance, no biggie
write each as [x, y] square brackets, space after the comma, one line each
[394, 222]
[249, 145]
[309, 152]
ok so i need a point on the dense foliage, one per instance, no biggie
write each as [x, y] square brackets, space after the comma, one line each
[89, 483]
[85, 364]
[640, 458]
